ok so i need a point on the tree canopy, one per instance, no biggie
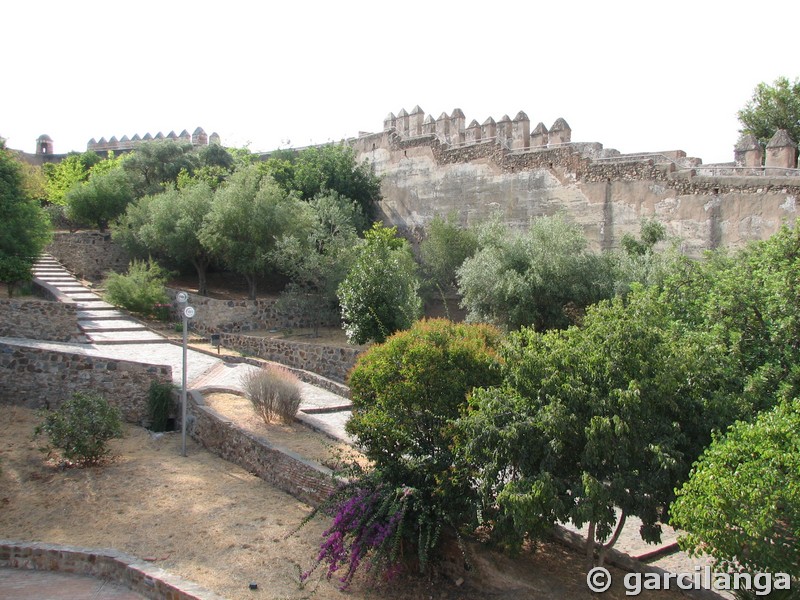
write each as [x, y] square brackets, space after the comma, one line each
[380, 295]
[772, 107]
[248, 216]
[539, 277]
[24, 227]
[741, 504]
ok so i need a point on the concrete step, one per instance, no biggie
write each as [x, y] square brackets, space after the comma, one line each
[109, 325]
[94, 305]
[82, 295]
[102, 314]
[125, 337]
[52, 279]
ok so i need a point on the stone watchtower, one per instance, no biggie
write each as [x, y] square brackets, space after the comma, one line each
[44, 145]
[748, 152]
[782, 151]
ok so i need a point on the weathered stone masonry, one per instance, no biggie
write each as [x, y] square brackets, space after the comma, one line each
[287, 470]
[37, 378]
[431, 167]
[334, 362]
[40, 320]
[88, 254]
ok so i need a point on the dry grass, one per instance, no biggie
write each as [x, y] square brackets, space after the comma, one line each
[213, 523]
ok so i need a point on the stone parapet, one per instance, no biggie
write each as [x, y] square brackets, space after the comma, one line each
[38, 378]
[333, 362]
[141, 577]
[213, 315]
[88, 254]
[40, 320]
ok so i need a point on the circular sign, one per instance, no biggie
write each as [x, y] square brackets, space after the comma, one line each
[182, 297]
[188, 312]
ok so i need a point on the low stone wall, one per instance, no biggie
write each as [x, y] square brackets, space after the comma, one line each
[235, 316]
[287, 470]
[43, 377]
[141, 577]
[40, 320]
[88, 254]
[333, 362]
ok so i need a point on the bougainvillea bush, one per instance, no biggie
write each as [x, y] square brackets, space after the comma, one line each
[407, 393]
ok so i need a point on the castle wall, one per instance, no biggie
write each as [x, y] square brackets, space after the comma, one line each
[606, 193]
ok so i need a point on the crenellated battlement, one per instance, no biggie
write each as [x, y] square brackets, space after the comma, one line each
[197, 138]
[512, 134]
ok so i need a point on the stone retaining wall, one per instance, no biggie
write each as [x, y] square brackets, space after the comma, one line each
[145, 579]
[286, 470]
[41, 378]
[333, 362]
[235, 316]
[88, 254]
[40, 320]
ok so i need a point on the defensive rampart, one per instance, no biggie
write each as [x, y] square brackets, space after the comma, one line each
[440, 166]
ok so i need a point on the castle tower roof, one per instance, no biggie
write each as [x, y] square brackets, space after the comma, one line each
[781, 139]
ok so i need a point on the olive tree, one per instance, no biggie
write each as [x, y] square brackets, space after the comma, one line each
[248, 216]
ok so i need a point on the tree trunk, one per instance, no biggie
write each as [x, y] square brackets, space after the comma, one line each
[601, 556]
[590, 547]
[251, 286]
[201, 267]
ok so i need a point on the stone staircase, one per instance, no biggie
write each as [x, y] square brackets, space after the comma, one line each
[98, 320]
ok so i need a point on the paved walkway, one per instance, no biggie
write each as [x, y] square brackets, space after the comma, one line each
[111, 333]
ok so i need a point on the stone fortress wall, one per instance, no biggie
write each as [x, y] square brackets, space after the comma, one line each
[442, 166]
[197, 138]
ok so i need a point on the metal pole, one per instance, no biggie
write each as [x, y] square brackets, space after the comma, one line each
[183, 388]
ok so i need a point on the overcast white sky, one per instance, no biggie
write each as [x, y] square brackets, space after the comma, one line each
[635, 76]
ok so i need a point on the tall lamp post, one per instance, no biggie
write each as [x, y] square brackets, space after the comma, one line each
[186, 313]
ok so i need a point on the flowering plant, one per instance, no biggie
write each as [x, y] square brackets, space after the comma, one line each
[373, 523]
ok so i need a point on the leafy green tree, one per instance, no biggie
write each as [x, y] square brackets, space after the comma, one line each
[128, 228]
[408, 391]
[379, 294]
[154, 164]
[445, 248]
[334, 168]
[173, 225]
[318, 263]
[741, 504]
[61, 177]
[593, 419]
[281, 165]
[34, 182]
[248, 216]
[101, 199]
[543, 277]
[772, 107]
[24, 227]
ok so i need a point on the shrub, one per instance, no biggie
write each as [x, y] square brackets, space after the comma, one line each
[140, 290]
[379, 294]
[370, 521]
[81, 428]
[159, 405]
[274, 393]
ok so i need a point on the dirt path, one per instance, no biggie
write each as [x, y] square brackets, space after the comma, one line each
[213, 523]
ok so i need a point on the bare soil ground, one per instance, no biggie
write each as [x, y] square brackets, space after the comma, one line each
[213, 523]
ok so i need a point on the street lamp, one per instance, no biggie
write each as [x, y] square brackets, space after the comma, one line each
[186, 314]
